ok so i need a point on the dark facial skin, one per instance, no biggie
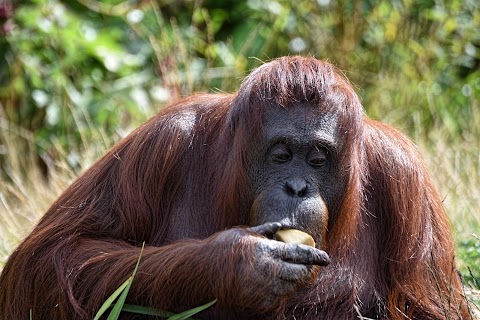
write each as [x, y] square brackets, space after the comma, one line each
[294, 175]
[295, 182]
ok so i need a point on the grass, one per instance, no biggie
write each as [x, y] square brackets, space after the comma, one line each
[25, 191]
[456, 171]
[116, 303]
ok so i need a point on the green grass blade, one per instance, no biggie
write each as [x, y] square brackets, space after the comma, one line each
[108, 303]
[117, 308]
[146, 311]
[120, 305]
[187, 314]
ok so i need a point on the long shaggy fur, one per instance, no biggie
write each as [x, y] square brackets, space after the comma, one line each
[180, 178]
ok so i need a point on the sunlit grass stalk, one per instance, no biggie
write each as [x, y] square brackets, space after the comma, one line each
[122, 292]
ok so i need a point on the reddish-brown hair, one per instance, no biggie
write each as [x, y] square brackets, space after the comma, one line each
[180, 178]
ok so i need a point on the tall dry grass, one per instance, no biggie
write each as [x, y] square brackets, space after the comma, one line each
[26, 191]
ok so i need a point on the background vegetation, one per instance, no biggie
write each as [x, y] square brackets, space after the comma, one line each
[76, 76]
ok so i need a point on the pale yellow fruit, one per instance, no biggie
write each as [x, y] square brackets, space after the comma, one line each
[294, 236]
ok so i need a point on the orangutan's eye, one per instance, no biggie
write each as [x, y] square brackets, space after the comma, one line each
[317, 156]
[281, 153]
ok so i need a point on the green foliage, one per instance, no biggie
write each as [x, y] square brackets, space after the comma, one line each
[65, 75]
[74, 66]
[469, 253]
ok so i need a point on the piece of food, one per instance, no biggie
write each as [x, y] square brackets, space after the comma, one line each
[294, 236]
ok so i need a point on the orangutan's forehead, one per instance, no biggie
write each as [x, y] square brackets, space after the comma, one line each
[300, 122]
